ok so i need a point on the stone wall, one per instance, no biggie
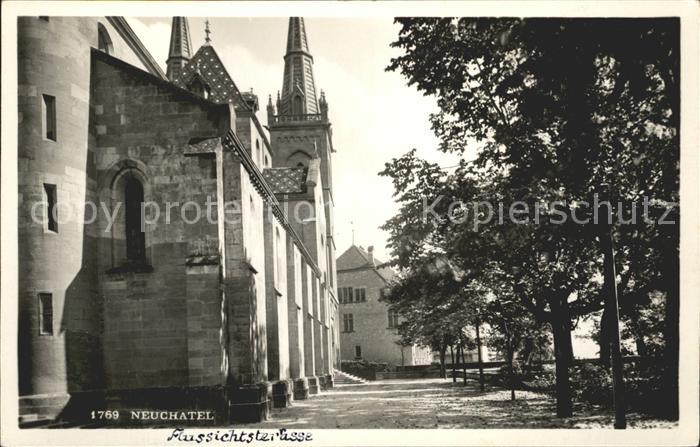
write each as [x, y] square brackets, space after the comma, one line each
[249, 132]
[144, 127]
[212, 303]
[54, 59]
[276, 286]
[308, 316]
[295, 317]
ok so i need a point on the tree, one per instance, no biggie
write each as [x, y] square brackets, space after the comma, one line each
[430, 314]
[557, 107]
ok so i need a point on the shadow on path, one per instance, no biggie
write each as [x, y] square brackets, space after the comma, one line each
[436, 403]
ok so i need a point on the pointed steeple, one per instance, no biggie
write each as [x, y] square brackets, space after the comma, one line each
[296, 36]
[180, 47]
[298, 88]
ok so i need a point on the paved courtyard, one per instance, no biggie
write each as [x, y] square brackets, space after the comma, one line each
[437, 403]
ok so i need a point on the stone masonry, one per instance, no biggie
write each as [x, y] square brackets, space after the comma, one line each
[219, 299]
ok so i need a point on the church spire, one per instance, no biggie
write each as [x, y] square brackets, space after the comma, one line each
[296, 36]
[298, 88]
[180, 47]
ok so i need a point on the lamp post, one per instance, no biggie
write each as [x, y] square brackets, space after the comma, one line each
[612, 305]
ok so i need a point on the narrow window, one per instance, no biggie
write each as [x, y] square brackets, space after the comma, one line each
[296, 106]
[45, 314]
[393, 319]
[49, 105]
[51, 208]
[348, 323]
[104, 42]
[258, 160]
[358, 352]
[135, 237]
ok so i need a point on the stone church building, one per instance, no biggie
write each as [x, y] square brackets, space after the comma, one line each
[130, 294]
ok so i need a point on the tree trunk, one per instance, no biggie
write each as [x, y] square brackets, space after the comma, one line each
[452, 358]
[604, 339]
[462, 361]
[478, 356]
[527, 352]
[671, 335]
[464, 366]
[530, 356]
[671, 260]
[613, 308]
[562, 355]
[511, 373]
[568, 341]
[443, 367]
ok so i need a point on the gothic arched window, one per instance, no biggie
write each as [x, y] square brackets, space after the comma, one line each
[297, 108]
[299, 159]
[135, 237]
[104, 42]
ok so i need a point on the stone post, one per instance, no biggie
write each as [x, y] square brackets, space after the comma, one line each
[308, 315]
[295, 320]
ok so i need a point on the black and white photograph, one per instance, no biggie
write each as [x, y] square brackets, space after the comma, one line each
[350, 223]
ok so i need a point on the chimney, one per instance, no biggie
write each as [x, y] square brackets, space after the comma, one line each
[370, 252]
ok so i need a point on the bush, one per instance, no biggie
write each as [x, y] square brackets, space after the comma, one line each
[534, 379]
[591, 383]
[543, 382]
[363, 368]
[643, 386]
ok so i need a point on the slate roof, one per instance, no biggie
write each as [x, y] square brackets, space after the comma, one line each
[286, 180]
[207, 63]
[357, 258]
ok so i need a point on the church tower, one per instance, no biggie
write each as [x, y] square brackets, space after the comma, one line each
[300, 129]
[299, 126]
[180, 47]
[298, 88]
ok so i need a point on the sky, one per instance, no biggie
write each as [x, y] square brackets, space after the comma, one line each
[375, 115]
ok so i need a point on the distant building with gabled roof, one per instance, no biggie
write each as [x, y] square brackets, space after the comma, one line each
[368, 330]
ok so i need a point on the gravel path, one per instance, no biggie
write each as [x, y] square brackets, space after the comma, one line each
[438, 403]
